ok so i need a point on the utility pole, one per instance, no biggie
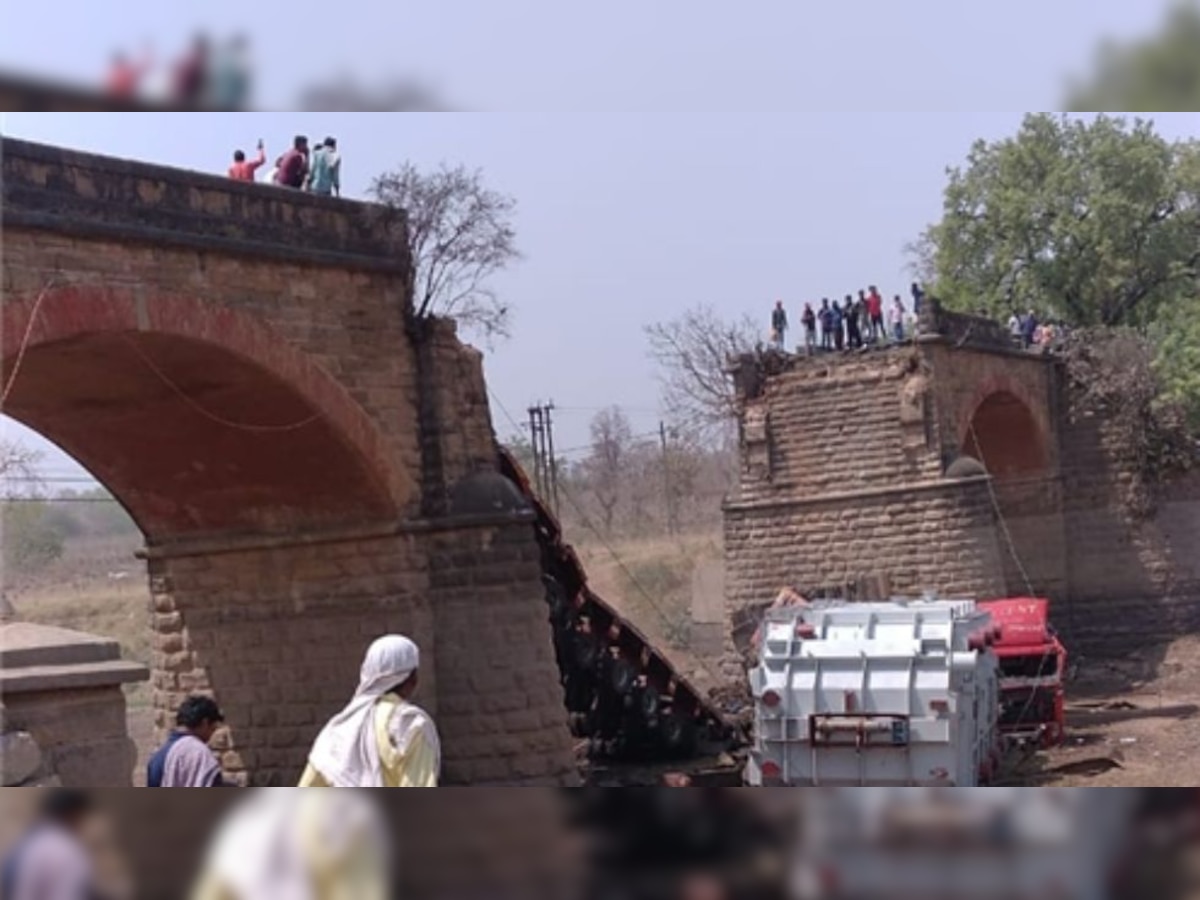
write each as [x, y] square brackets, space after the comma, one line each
[666, 463]
[552, 459]
[535, 442]
[545, 466]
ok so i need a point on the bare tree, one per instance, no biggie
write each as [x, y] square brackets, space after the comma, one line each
[18, 462]
[693, 353]
[612, 438]
[460, 234]
[922, 259]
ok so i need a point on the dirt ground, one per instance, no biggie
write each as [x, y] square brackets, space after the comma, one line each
[1130, 723]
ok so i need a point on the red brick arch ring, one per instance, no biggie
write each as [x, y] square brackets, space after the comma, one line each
[1005, 428]
[200, 419]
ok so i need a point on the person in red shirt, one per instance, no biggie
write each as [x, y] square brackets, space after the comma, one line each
[293, 165]
[125, 76]
[243, 169]
[875, 308]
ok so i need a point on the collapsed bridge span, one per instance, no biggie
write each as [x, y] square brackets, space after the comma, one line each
[622, 694]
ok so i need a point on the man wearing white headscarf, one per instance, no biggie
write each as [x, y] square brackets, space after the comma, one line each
[288, 845]
[380, 739]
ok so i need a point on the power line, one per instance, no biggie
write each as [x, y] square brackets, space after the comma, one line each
[49, 479]
[57, 500]
[638, 410]
[649, 598]
[587, 448]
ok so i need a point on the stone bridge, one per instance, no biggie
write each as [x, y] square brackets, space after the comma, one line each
[236, 363]
[954, 464]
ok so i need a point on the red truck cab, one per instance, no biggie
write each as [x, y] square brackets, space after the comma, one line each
[1033, 665]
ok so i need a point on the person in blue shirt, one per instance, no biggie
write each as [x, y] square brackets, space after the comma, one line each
[839, 329]
[779, 326]
[326, 174]
[50, 860]
[1029, 327]
[185, 760]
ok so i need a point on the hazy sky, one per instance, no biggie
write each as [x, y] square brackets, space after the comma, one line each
[631, 217]
[695, 55]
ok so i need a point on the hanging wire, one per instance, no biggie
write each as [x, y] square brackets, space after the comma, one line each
[25, 341]
[1007, 532]
[220, 420]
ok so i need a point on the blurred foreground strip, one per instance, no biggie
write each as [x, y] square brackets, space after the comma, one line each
[635, 843]
[23, 93]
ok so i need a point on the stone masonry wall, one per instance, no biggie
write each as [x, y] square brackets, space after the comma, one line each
[836, 425]
[82, 734]
[1130, 579]
[278, 636]
[314, 273]
[842, 484]
[846, 465]
[1033, 539]
[941, 538]
[501, 709]
[962, 378]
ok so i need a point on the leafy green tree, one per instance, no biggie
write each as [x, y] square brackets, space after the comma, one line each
[1092, 222]
[1176, 337]
[1158, 73]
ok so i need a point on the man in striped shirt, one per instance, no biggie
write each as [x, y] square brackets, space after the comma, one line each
[185, 760]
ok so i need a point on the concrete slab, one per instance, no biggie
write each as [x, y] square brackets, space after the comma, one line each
[29, 679]
[24, 644]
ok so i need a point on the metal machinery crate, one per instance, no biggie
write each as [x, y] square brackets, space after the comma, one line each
[1001, 843]
[900, 693]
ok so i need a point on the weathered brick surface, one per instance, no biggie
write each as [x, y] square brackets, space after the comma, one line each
[501, 713]
[845, 476]
[963, 377]
[853, 491]
[833, 425]
[278, 636]
[236, 363]
[1129, 578]
[82, 734]
[943, 538]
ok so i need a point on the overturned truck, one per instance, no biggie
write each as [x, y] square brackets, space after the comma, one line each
[624, 697]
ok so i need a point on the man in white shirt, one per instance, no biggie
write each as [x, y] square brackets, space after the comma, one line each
[50, 862]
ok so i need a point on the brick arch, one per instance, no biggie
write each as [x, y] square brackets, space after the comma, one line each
[1003, 433]
[201, 394]
[1002, 383]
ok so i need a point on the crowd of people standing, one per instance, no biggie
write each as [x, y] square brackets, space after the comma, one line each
[853, 324]
[208, 75]
[314, 169]
[1028, 331]
[863, 321]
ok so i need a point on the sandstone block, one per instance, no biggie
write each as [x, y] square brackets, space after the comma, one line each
[20, 758]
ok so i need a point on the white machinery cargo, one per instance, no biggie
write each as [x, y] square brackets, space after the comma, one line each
[1007, 843]
[903, 693]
